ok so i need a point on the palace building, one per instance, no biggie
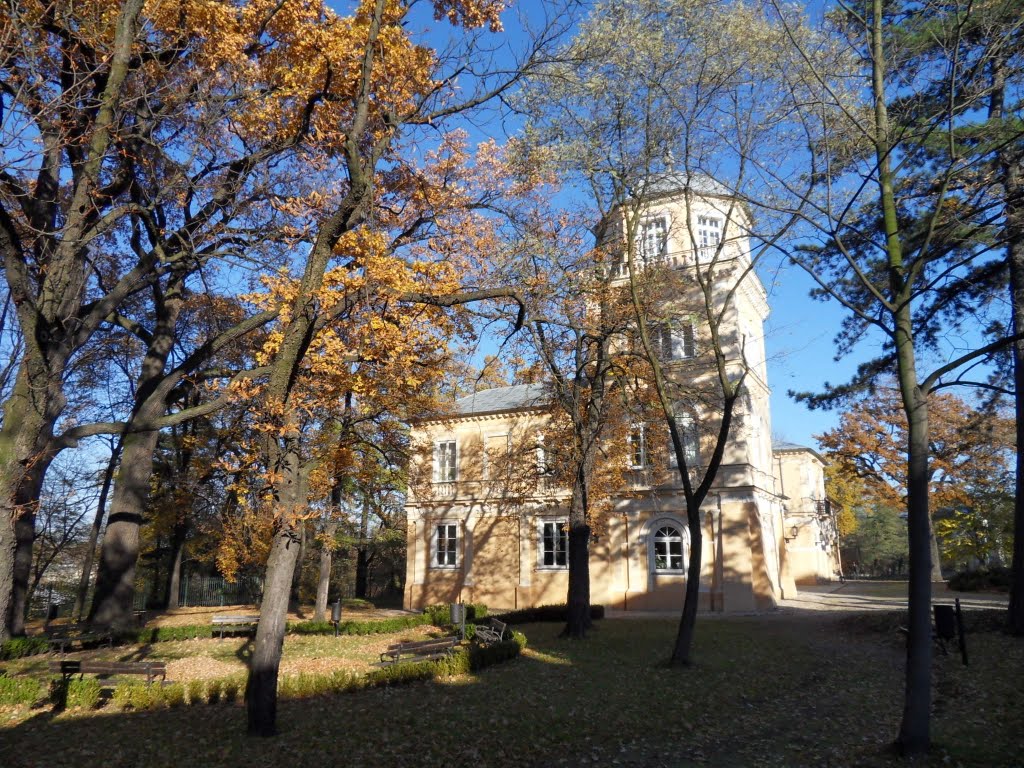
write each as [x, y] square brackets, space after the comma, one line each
[766, 523]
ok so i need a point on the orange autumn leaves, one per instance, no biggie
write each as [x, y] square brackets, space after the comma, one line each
[969, 450]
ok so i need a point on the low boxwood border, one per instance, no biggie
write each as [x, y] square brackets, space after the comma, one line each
[137, 696]
[545, 613]
[436, 615]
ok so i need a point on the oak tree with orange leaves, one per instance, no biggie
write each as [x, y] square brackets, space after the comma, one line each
[971, 450]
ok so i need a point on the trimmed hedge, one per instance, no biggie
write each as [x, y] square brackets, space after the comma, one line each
[546, 613]
[440, 614]
[135, 695]
[23, 691]
[378, 627]
[204, 631]
[18, 647]
[436, 614]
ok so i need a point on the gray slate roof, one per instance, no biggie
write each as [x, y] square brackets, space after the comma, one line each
[671, 182]
[503, 399]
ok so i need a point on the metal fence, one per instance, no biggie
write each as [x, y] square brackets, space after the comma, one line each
[216, 590]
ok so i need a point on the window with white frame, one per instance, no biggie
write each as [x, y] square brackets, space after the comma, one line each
[554, 544]
[667, 548]
[638, 447]
[673, 341]
[446, 545]
[544, 467]
[686, 425]
[446, 464]
[653, 239]
[709, 231]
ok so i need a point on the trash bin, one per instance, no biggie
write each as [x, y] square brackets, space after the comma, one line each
[336, 615]
[457, 614]
[51, 612]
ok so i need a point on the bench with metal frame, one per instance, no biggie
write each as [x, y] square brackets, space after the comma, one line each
[490, 633]
[234, 623]
[420, 650]
[63, 636]
[66, 668]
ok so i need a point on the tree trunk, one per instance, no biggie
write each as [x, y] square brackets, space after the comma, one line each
[323, 584]
[914, 729]
[578, 594]
[115, 580]
[935, 557]
[293, 596]
[94, 532]
[1016, 257]
[681, 653]
[1013, 193]
[362, 553]
[178, 538]
[261, 691]
[25, 455]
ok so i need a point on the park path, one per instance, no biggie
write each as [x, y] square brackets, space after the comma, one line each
[849, 596]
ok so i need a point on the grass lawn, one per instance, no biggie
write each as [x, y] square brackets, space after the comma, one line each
[766, 691]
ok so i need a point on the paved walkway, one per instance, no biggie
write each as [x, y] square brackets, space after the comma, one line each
[852, 596]
[881, 596]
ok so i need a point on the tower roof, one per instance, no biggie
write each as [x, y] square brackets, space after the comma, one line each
[674, 182]
[518, 397]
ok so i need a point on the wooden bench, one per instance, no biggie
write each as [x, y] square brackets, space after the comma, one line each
[151, 669]
[421, 650]
[232, 623]
[63, 636]
[490, 633]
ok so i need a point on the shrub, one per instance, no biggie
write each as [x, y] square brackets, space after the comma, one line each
[546, 613]
[196, 691]
[230, 688]
[19, 647]
[83, 693]
[20, 691]
[997, 579]
[213, 691]
[166, 634]
[133, 695]
[440, 614]
[173, 694]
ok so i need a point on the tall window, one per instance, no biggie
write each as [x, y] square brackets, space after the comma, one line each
[446, 545]
[668, 548]
[673, 342]
[709, 231]
[687, 427]
[638, 447]
[446, 467]
[554, 545]
[544, 467]
[653, 239]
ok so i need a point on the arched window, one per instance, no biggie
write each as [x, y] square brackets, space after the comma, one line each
[668, 548]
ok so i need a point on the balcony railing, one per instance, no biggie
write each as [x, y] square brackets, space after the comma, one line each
[673, 260]
[492, 489]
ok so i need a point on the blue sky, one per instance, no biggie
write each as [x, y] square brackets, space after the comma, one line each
[799, 332]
